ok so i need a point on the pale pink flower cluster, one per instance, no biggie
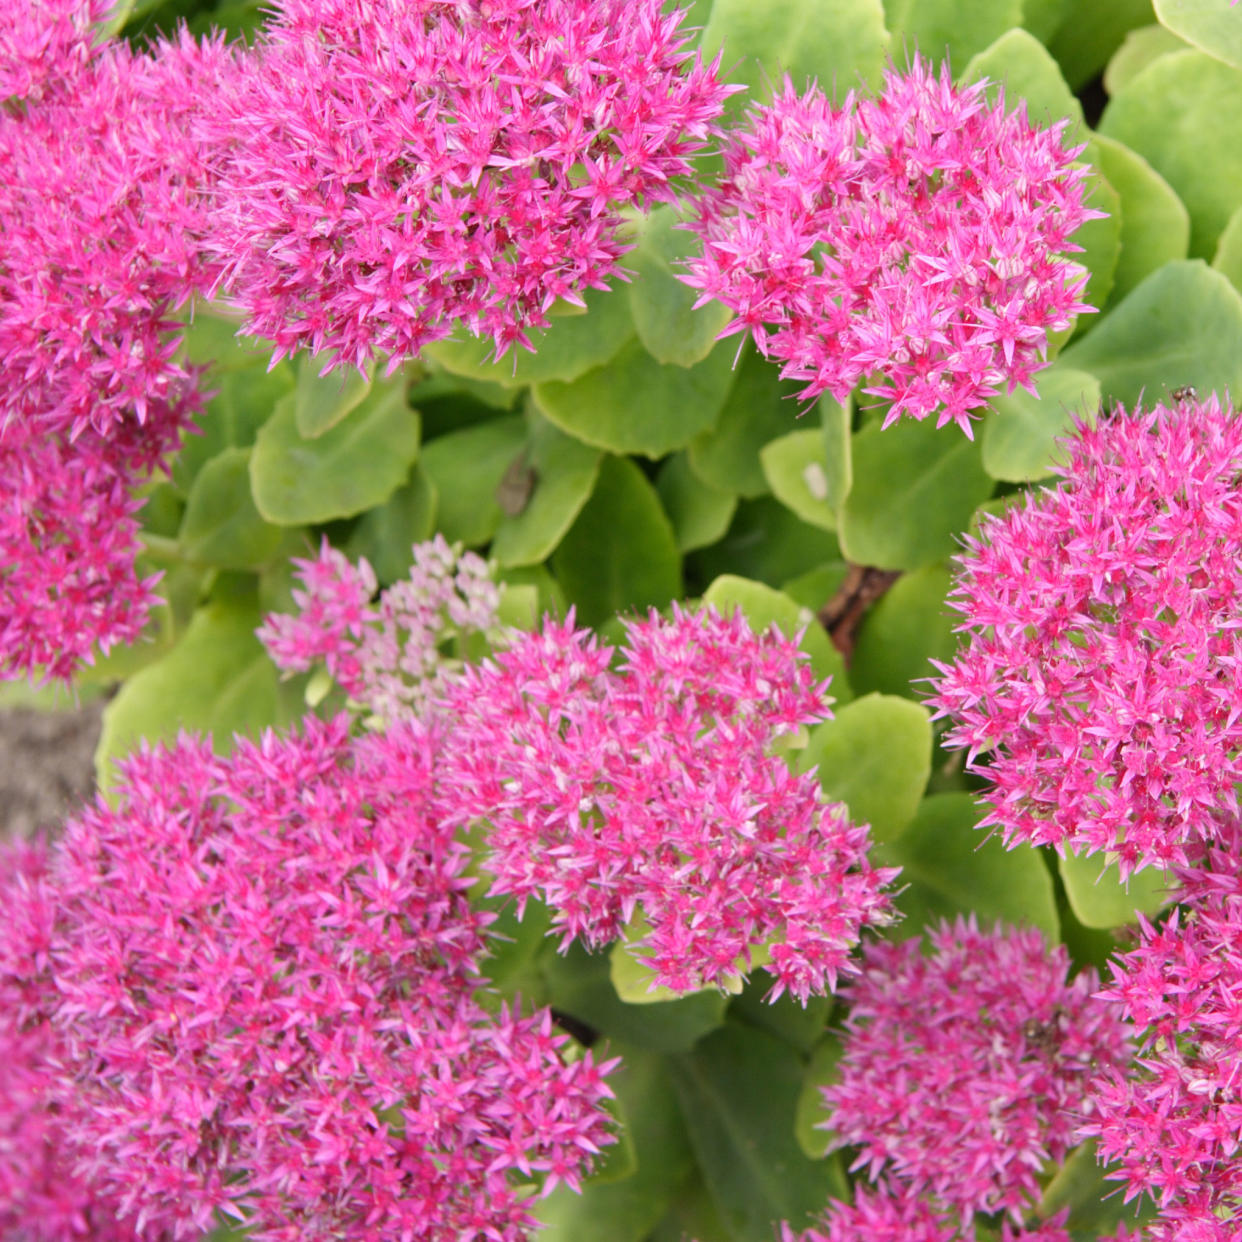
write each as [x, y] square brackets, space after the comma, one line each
[652, 791]
[1098, 690]
[966, 1071]
[386, 654]
[1173, 1128]
[261, 976]
[912, 240]
[399, 167]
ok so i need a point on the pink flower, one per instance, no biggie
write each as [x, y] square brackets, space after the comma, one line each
[912, 238]
[45, 45]
[965, 1072]
[447, 161]
[266, 969]
[1098, 688]
[881, 1215]
[386, 656]
[652, 790]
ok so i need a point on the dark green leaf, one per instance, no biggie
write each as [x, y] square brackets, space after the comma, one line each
[700, 513]
[811, 1114]
[768, 543]
[800, 1026]
[1091, 33]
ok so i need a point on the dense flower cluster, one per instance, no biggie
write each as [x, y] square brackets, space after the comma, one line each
[966, 1071]
[445, 162]
[45, 44]
[386, 655]
[653, 790]
[912, 238]
[263, 983]
[1174, 1127]
[101, 193]
[1098, 692]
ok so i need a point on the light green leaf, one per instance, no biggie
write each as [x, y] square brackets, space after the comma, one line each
[634, 404]
[915, 487]
[465, 468]
[811, 1113]
[1182, 325]
[1155, 227]
[354, 467]
[909, 625]
[1183, 114]
[1042, 17]
[211, 340]
[386, 534]
[700, 513]
[837, 420]
[1100, 240]
[1099, 899]
[565, 473]
[1141, 47]
[959, 28]
[1020, 436]
[217, 679]
[764, 607]
[323, 400]
[875, 756]
[221, 527]
[568, 347]
[661, 305]
[1020, 63]
[796, 468]
[620, 553]
[949, 868]
[1228, 257]
[1091, 33]
[1213, 26]
[739, 1089]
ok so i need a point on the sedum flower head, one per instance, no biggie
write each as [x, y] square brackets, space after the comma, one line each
[968, 1069]
[1098, 689]
[266, 978]
[45, 45]
[650, 792]
[447, 161]
[910, 240]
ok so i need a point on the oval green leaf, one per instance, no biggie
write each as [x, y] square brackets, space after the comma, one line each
[221, 527]
[796, 468]
[386, 534]
[700, 513]
[956, 28]
[1213, 26]
[1020, 438]
[323, 400]
[1099, 899]
[1021, 64]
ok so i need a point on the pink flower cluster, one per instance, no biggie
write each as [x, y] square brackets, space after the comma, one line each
[966, 1071]
[261, 974]
[45, 44]
[101, 194]
[1099, 688]
[1174, 1128]
[446, 161]
[386, 655]
[653, 790]
[912, 238]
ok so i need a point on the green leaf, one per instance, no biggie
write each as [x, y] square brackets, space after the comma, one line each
[620, 553]
[767, 542]
[466, 467]
[908, 626]
[764, 607]
[568, 347]
[1182, 325]
[634, 404]
[323, 400]
[811, 1114]
[837, 420]
[627, 1210]
[875, 756]
[1183, 114]
[565, 474]
[1020, 63]
[949, 868]
[796, 468]
[1213, 26]
[1228, 257]
[1096, 1208]
[1099, 899]
[739, 1088]
[211, 340]
[580, 984]
[817, 586]
[386, 534]
[661, 305]
[1155, 227]
[800, 1026]
[1042, 17]
[217, 679]
[354, 467]
[1020, 438]
[1141, 47]
[1091, 33]
[700, 513]
[959, 28]
[915, 487]
[221, 527]
[1100, 240]
[759, 408]
[633, 981]
[832, 43]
